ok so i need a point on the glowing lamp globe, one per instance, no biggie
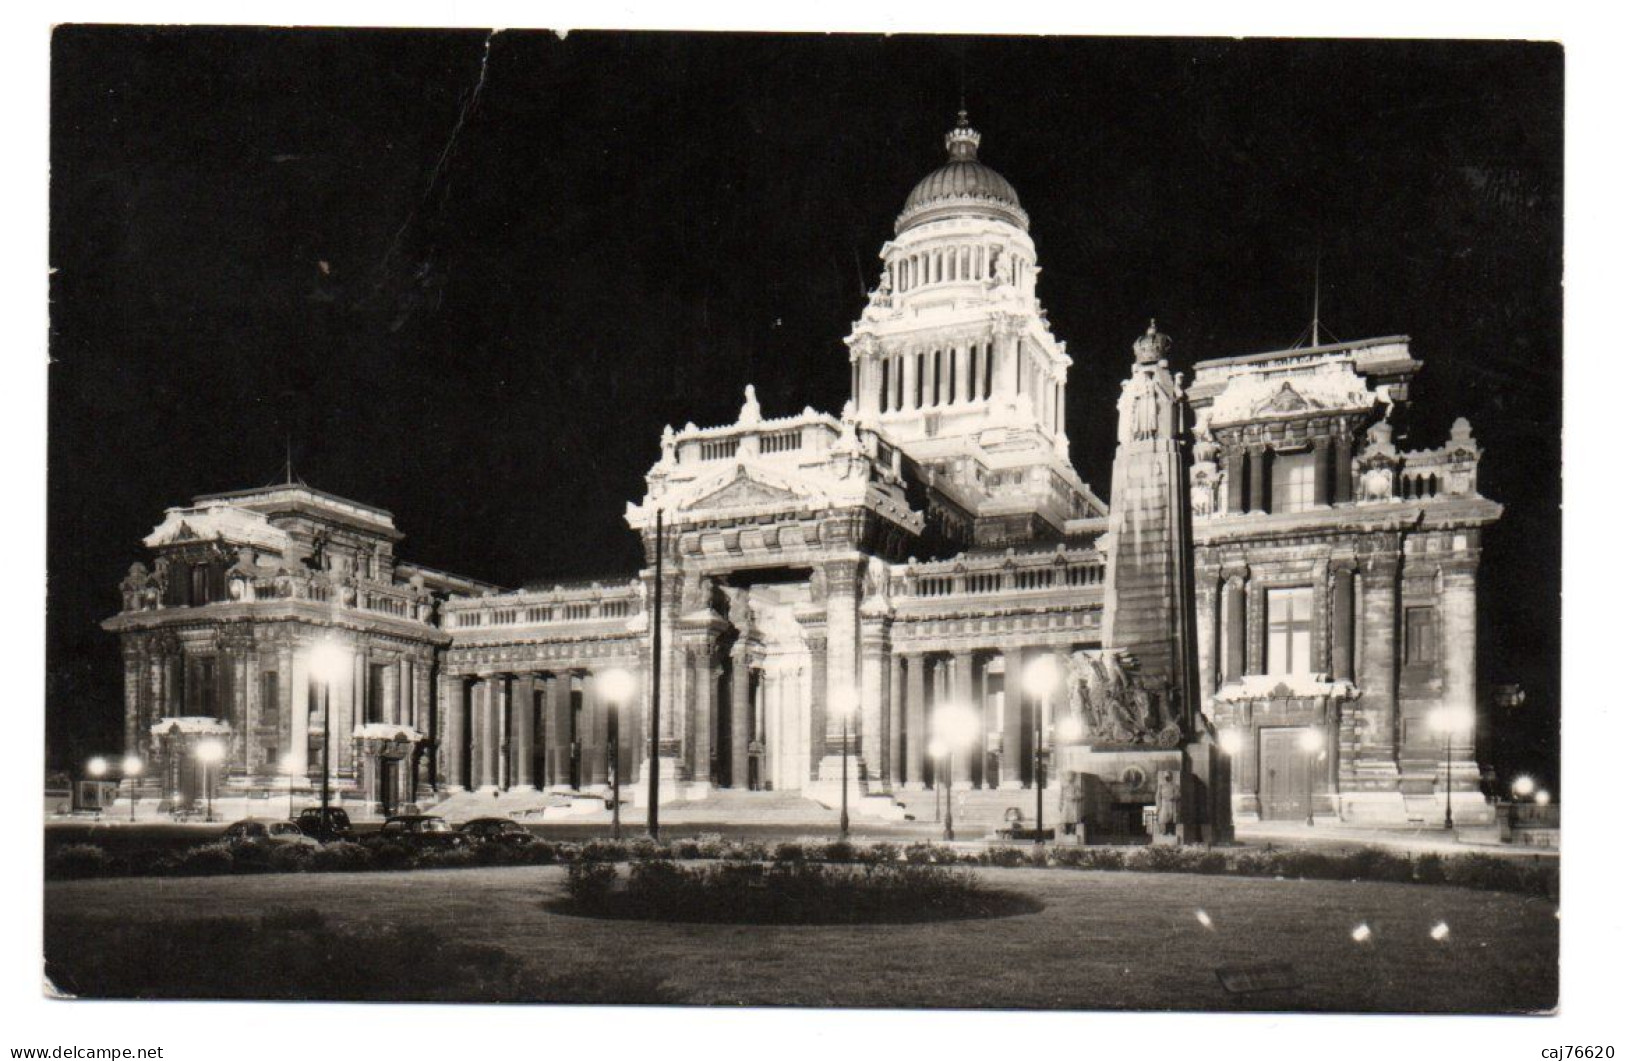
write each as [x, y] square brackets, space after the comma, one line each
[96, 767]
[1230, 742]
[131, 766]
[844, 702]
[953, 725]
[1523, 786]
[1311, 740]
[1070, 728]
[1041, 676]
[210, 751]
[1454, 721]
[937, 749]
[1542, 798]
[329, 662]
[617, 685]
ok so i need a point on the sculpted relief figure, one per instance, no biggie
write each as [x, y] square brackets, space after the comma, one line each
[1147, 412]
[1115, 704]
[1167, 802]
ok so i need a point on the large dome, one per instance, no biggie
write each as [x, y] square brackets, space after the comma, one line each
[962, 187]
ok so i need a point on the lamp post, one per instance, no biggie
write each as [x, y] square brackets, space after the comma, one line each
[209, 753]
[96, 767]
[328, 663]
[1449, 721]
[131, 768]
[1523, 787]
[937, 750]
[1310, 740]
[288, 763]
[1039, 679]
[953, 725]
[845, 705]
[618, 687]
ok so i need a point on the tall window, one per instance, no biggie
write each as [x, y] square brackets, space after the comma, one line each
[1421, 643]
[1293, 482]
[270, 705]
[1289, 624]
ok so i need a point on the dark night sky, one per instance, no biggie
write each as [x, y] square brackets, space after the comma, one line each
[627, 228]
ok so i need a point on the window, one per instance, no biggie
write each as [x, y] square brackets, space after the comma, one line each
[269, 704]
[1421, 644]
[1293, 482]
[1289, 625]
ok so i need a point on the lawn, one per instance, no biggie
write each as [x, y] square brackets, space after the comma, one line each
[1102, 940]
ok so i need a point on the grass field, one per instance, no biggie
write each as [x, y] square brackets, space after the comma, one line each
[1101, 941]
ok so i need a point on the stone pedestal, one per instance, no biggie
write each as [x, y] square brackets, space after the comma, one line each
[827, 789]
[671, 782]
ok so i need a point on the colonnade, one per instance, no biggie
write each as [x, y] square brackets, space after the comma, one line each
[523, 730]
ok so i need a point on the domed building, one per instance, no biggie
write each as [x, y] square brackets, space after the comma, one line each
[1279, 604]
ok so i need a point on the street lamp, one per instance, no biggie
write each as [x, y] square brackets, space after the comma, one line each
[618, 687]
[1523, 786]
[1230, 742]
[209, 753]
[845, 705]
[1039, 678]
[937, 750]
[96, 767]
[1310, 740]
[131, 768]
[1449, 721]
[329, 663]
[1542, 798]
[289, 765]
[954, 725]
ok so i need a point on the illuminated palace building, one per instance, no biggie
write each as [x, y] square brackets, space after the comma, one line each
[828, 580]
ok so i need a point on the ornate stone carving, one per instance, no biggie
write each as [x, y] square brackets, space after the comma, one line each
[1118, 705]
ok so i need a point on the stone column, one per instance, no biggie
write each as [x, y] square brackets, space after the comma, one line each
[523, 712]
[818, 709]
[917, 737]
[1343, 620]
[1235, 480]
[1258, 475]
[1324, 458]
[1014, 762]
[422, 719]
[595, 757]
[910, 380]
[868, 747]
[842, 666]
[963, 687]
[892, 768]
[740, 707]
[556, 722]
[1458, 633]
[454, 770]
[293, 671]
[133, 678]
[479, 737]
[704, 694]
[1378, 625]
[962, 376]
[1235, 625]
[1343, 470]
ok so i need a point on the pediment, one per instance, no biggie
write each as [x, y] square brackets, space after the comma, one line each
[741, 492]
[1286, 400]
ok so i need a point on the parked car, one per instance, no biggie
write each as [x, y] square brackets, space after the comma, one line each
[271, 831]
[497, 831]
[419, 832]
[336, 825]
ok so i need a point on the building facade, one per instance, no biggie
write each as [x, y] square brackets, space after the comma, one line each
[828, 581]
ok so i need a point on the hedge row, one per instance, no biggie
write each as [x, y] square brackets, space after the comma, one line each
[1530, 876]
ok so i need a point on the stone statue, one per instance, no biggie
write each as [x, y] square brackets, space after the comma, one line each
[135, 587]
[751, 411]
[1072, 797]
[1147, 412]
[1168, 803]
[1377, 484]
[1004, 269]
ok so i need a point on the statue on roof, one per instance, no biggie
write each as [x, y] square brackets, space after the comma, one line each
[751, 411]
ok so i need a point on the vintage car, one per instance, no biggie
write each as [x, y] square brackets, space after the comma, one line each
[497, 831]
[272, 831]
